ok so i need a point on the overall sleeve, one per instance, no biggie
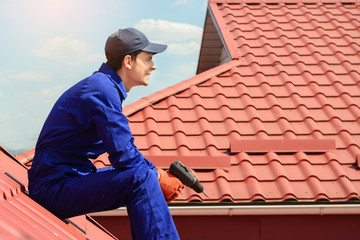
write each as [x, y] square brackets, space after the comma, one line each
[103, 114]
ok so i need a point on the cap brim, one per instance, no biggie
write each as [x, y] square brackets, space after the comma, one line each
[155, 48]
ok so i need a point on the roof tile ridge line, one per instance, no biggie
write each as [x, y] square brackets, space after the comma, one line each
[179, 87]
[223, 31]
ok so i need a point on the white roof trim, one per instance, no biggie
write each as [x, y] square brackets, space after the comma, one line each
[313, 209]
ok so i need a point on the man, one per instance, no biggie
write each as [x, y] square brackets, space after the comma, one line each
[87, 121]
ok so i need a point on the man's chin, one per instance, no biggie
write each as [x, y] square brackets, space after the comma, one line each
[146, 81]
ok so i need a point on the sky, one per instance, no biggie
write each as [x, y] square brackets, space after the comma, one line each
[46, 46]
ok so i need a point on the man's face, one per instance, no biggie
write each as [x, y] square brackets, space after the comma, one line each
[141, 69]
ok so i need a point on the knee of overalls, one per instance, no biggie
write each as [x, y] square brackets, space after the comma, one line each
[142, 178]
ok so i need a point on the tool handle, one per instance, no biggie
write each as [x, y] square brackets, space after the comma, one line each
[184, 174]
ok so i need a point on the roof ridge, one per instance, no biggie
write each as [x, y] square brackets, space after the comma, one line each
[179, 87]
[282, 1]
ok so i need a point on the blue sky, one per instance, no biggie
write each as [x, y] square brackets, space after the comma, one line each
[49, 45]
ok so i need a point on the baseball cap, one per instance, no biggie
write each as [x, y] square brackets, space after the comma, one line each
[128, 40]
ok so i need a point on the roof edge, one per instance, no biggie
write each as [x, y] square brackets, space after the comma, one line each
[7, 153]
[313, 209]
[179, 87]
[223, 31]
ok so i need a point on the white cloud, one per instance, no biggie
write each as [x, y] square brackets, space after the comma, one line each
[4, 75]
[3, 79]
[39, 101]
[188, 68]
[54, 91]
[1, 94]
[66, 50]
[169, 31]
[184, 48]
[42, 98]
[176, 35]
[33, 76]
[183, 2]
[7, 76]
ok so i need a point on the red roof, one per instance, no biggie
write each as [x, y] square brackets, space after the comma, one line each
[274, 113]
[280, 120]
[22, 218]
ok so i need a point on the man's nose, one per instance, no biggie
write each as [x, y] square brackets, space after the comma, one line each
[153, 67]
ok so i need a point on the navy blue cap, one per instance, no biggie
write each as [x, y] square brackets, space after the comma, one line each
[129, 40]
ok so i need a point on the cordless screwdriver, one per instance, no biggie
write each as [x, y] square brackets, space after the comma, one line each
[184, 174]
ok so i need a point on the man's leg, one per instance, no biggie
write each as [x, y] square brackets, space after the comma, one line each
[138, 189]
[150, 206]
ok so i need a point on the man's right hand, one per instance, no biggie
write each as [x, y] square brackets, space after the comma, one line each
[170, 185]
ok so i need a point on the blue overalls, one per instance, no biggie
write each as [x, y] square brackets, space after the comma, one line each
[85, 122]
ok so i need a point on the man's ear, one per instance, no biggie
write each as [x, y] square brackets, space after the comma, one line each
[127, 62]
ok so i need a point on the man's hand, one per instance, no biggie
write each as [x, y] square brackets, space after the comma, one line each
[170, 185]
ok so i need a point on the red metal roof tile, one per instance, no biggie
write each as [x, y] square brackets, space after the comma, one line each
[23, 218]
[283, 145]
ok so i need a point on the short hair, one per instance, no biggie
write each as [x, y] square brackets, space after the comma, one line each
[116, 63]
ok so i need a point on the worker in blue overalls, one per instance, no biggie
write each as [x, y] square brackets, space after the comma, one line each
[86, 121]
